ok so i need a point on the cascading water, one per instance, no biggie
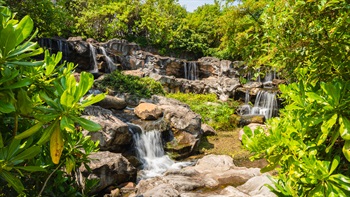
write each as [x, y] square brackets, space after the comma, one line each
[108, 60]
[246, 108]
[265, 104]
[269, 77]
[150, 151]
[190, 70]
[93, 55]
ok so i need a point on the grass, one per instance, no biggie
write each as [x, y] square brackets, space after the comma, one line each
[227, 143]
[219, 115]
[141, 87]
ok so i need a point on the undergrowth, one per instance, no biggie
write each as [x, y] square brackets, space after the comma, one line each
[120, 83]
[218, 114]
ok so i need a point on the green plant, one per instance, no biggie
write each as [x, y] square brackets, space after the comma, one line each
[40, 101]
[214, 112]
[140, 87]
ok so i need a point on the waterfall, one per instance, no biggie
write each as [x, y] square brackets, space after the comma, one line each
[265, 104]
[191, 71]
[108, 60]
[93, 55]
[150, 151]
[269, 77]
[63, 47]
[246, 108]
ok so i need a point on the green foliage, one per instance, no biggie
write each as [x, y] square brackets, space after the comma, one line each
[309, 143]
[140, 87]
[215, 113]
[39, 101]
[48, 17]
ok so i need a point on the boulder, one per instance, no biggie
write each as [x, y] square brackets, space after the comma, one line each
[208, 130]
[112, 102]
[114, 136]
[162, 190]
[217, 163]
[109, 168]
[256, 186]
[210, 176]
[248, 119]
[148, 111]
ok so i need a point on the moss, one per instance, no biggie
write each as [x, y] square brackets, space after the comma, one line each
[140, 87]
[215, 113]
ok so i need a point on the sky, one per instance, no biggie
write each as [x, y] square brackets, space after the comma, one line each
[191, 5]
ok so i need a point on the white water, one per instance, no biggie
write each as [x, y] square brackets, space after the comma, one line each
[265, 104]
[108, 60]
[191, 71]
[93, 55]
[151, 153]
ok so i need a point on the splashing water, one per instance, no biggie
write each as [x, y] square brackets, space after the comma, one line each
[108, 60]
[93, 55]
[150, 151]
[265, 104]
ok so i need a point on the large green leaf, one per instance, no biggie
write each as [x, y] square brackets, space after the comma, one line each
[326, 128]
[346, 149]
[87, 124]
[344, 128]
[6, 107]
[8, 40]
[91, 99]
[31, 168]
[27, 154]
[67, 124]
[67, 99]
[13, 181]
[23, 29]
[18, 84]
[47, 132]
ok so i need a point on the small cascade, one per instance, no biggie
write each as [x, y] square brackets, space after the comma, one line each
[150, 151]
[245, 108]
[269, 77]
[93, 55]
[63, 47]
[191, 70]
[265, 104]
[108, 60]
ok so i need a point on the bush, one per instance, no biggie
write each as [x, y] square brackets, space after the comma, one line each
[40, 107]
[215, 113]
[140, 87]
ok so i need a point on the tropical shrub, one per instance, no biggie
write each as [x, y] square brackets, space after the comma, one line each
[215, 113]
[40, 107]
[140, 87]
[309, 143]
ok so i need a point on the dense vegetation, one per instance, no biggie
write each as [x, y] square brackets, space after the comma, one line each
[40, 107]
[140, 87]
[220, 115]
[307, 41]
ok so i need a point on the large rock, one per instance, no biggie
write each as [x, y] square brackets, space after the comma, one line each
[256, 186]
[148, 111]
[112, 102]
[208, 130]
[109, 168]
[114, 136]
[208, 177]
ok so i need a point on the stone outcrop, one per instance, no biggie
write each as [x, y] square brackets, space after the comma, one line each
[112, 102]
[148, 111]
[109, 169]
[208, 175]
[114, 136]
